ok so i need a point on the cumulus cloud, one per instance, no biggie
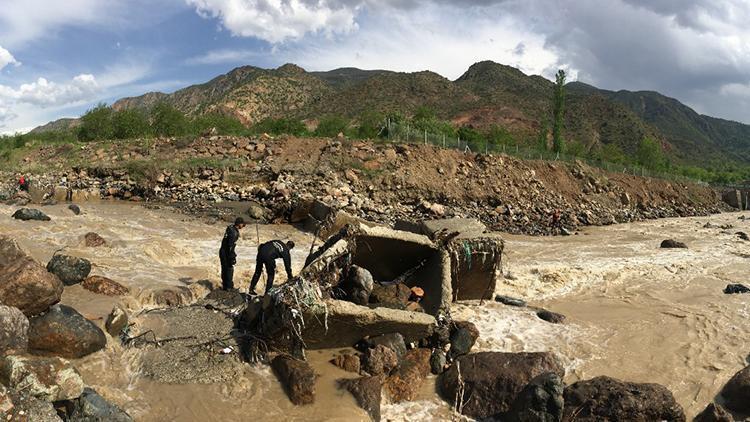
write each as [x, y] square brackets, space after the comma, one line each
[43, 93]
[7, 59]
[279, 20]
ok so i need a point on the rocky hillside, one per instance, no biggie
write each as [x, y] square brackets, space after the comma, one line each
[487, 94]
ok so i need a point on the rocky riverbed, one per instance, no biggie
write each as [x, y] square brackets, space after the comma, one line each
[634, 312]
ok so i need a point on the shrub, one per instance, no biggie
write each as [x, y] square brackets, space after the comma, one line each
[130, 123]
[167, 120]
[96, 123]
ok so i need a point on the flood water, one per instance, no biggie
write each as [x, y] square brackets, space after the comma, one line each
[634, 311]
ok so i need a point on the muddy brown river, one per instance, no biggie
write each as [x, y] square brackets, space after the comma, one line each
[635, 311]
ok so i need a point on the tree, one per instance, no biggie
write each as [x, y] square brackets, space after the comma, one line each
[167, 120]
[224, 124]
[541, 139]
[96, 124]
[558, 144]
[331, 126]
[129, 123]
[280, 126]
[649, 154]
[370, 124]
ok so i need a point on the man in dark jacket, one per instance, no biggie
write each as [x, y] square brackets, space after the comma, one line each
[268, 253]
[227, 256]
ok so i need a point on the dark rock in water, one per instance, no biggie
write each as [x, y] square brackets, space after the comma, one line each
[394, 341]
[462, 339]
[27, 214]
[406, 381]
[171, 296]
[549, 316]
[379, 360]
[359, 285]
[75, 208]
[541, 401]
[104, 286]
[671, 244]
[605, 398]
[70, 269]
[714, 413]
[743, 235]
[297, 377]
[368, 393]
[438, 361]
[116, 321]
[24, 283]
[736, 392]
[91, 407]
[490, 381]
[62, 331]
[510, 301]
[733, 289]
[394, 296]
[49, 202]
[93, 240]
[14, 331]
[347, 361]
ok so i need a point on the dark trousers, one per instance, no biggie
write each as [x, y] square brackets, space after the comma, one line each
[270, 265]
[227, 273]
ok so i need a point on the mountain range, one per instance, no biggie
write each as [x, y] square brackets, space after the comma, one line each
[487, 94]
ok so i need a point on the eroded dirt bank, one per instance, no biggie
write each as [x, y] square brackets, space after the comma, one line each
[377, 181]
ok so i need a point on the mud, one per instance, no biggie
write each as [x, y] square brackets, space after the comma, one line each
[634, 311]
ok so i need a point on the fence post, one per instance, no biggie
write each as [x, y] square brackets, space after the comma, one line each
[443, 140]
[425, 136]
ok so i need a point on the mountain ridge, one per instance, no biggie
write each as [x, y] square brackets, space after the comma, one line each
[487, 94]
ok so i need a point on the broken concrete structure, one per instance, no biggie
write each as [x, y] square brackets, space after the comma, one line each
[308, 313]
[476, 255]
[739, 199]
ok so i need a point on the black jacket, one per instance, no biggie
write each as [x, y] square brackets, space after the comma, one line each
[273, 250]
[228, 243]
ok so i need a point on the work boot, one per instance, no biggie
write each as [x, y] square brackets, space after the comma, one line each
[252, 292]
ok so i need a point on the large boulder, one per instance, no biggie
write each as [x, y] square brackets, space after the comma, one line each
[406, 381]
[368, 393]
[736, 392]
[28, 408]
[347, 361]
[490, 381]
[62, 331]
[462, 339]
[27, 214]
[70, 269]
[734, 289]
[93, 240]
[379, 360]
[394, 341]
[550, 316]
[49, 379]
[297, 377]
[14, 331]
[394, 295]
[91, 407]
[104, 286]
[359, 285]
[608, 399]
[672, 244]
[116, 321]
[714, 413]
[540, 401]
[24, 283]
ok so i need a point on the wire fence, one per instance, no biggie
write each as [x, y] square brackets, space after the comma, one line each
[405, 134]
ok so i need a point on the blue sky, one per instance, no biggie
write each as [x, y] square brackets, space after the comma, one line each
[57, 59]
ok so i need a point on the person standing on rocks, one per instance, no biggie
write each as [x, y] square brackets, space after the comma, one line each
[268, 253]
[227, 256]
[23, 183]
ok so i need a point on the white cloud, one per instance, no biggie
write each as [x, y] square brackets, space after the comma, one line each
[43, 93]
[280, 20]
[7, 59]
[226, 56]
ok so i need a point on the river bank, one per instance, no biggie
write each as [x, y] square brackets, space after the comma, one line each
[635, 311]
[376, 181]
